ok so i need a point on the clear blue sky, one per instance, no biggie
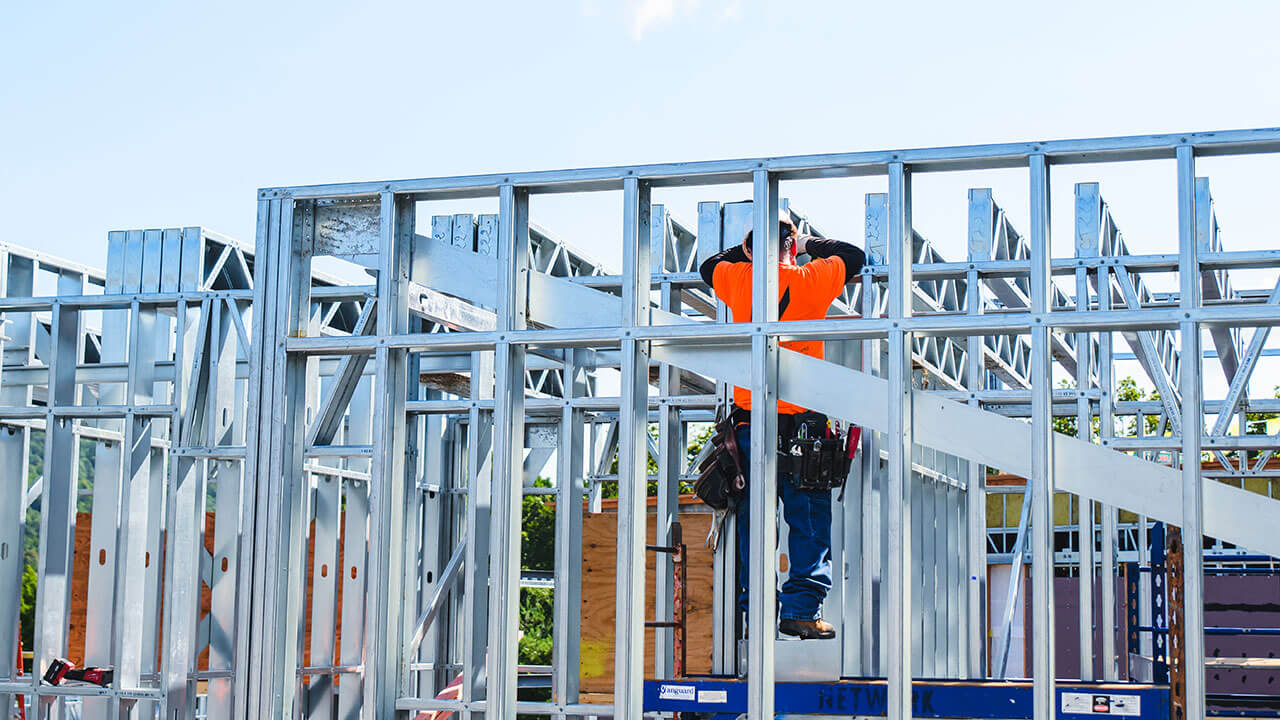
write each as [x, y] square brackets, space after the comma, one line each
[123, 115]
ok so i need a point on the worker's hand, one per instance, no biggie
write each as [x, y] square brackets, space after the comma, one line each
[802, 237]
[746, 248]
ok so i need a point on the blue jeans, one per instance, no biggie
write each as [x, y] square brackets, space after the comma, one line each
[808, 516]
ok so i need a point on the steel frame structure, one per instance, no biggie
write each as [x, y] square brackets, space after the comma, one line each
[388, 431]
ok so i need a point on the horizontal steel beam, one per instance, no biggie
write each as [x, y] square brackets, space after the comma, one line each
[830, 329]
[967, 157]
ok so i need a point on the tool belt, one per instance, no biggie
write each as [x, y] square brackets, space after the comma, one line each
[814, 452]
[721, 481]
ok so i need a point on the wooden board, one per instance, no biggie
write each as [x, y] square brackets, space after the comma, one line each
[599, 597]
[84, 554]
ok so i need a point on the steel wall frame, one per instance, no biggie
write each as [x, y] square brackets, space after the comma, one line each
[337, 418]
[151, 356]
[1040, 322]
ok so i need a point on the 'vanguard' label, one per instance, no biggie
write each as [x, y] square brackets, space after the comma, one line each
[677, 692]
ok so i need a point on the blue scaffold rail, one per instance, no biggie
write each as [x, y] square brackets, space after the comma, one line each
[930, 698]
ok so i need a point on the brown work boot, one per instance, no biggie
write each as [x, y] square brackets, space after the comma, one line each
[818, 629]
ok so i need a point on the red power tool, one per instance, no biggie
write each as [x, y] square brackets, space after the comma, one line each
[855, 437]
[61, 669]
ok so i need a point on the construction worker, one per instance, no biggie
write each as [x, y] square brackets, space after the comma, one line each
[805, 292]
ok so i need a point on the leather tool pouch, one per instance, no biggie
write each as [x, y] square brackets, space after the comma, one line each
[817, 458]
[721, 481]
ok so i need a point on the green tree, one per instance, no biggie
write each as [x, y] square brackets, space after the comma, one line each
[538, 530]
[27, 606]
[1127, 390]
[536, 616]
[1065, 424]
[1256, 423]
[699, 434]
[537, 552]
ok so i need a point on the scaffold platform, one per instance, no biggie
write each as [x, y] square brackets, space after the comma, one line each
[726, 699]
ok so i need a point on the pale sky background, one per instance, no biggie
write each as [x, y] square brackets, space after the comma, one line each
[130, 115]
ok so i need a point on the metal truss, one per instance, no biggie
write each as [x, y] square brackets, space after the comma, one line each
[342, 465]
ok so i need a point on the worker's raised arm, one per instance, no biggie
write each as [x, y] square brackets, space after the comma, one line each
[734, 254]
[852, 255]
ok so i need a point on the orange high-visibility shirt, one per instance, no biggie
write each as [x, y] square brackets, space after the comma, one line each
[805, 292]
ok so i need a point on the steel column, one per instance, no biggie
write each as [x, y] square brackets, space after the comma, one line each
[58, 502]
[567, 601]
[1192, 426]
[633, 436]
[1042, 447]
[981, 218]
[1084, 431]
[762, 491]
[475, 612]
[900, 441]
[277, 417]
[389, 484]
[15, 348]
[185, 514]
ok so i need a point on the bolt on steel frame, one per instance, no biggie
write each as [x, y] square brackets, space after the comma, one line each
[295, 440]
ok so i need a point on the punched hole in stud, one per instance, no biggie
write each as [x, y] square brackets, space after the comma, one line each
[324, 570]
[102, 557]
[224, 564]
